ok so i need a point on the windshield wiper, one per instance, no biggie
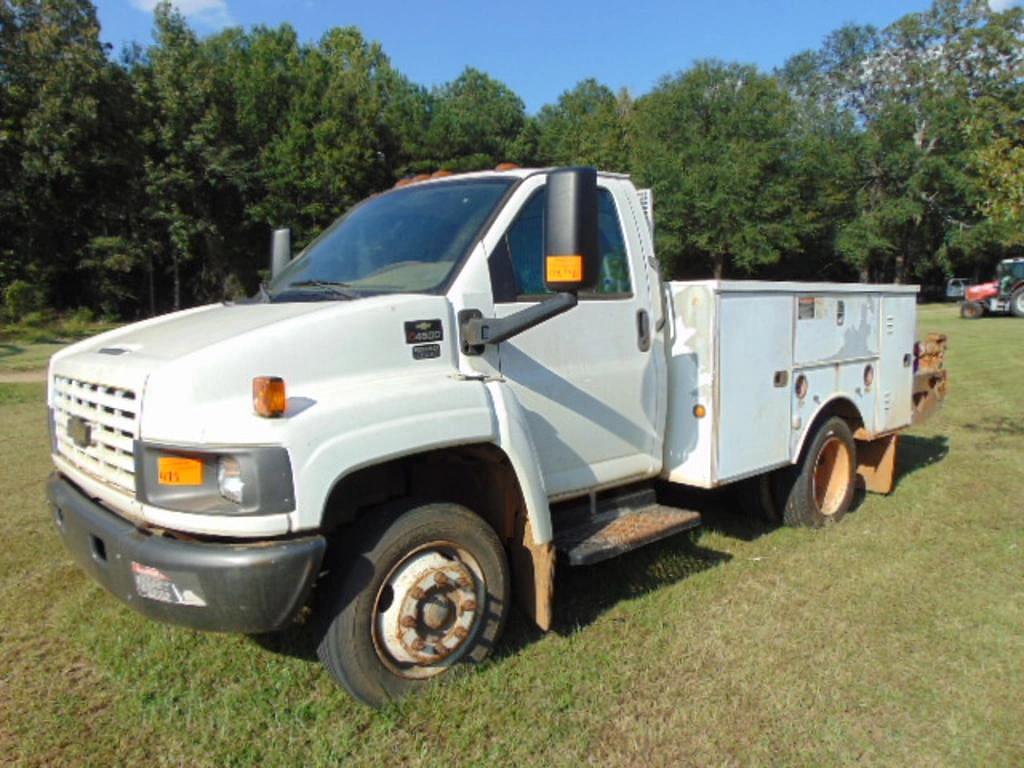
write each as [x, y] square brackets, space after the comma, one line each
[333, 287]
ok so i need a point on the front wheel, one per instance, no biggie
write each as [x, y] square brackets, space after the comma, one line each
[429, 590]
[820, 488]
[972, 310]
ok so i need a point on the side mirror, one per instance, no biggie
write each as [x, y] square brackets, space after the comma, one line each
[280, 251]
[571, 256]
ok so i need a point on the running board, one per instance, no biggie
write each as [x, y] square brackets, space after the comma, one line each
[623, 527]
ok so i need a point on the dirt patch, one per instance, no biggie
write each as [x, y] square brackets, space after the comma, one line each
[23, 377]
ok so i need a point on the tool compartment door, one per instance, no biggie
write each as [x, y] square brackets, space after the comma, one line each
[755, 363]
[896, 374]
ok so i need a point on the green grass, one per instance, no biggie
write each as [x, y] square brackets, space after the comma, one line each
[895, 638]
[30, 348]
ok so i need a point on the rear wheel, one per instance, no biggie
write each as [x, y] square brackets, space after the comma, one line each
[427, 592]
[820, 488]
[1017, 302]
[971, 310]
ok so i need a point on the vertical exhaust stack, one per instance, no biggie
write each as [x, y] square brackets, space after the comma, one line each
[280, 251]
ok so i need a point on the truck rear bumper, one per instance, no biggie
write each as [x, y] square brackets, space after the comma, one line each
[250, 587]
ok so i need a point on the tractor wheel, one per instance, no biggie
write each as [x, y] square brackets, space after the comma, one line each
[1017, 302]
[971, 310]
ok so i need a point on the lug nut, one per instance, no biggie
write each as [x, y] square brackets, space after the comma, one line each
[461, 632]
[416, 593]
[440, 579]
[469, 605]
[408, 622]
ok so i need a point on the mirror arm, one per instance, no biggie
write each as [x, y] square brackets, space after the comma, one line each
[475, 331]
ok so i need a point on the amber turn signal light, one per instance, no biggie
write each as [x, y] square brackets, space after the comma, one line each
[699, 411]
[268, 396]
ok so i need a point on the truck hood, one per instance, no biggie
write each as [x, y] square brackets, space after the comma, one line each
[170, 336]
[196, 367]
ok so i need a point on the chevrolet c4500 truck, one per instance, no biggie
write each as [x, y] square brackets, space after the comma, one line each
[459, 382]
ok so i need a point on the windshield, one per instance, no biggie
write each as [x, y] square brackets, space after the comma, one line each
[405, 241]
[1014, 269]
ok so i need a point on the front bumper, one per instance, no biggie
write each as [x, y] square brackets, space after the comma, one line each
[229, 587]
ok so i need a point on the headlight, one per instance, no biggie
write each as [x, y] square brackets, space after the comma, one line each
[229, 479]
[222, 481]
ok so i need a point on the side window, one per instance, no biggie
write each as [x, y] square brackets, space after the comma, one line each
[517, 263]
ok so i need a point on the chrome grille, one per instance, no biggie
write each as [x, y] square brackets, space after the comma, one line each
[109, 415]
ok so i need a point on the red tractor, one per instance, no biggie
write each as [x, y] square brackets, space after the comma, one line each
[1004, 295]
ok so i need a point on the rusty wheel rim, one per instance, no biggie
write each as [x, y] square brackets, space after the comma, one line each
[831, 478]
[428, 610]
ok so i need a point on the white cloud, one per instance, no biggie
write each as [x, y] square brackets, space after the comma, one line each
[208, 13]
[1001, 5]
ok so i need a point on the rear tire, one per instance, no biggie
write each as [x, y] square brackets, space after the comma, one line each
[819, 490]
[971, 310]
[425, 590]
[1017, 302]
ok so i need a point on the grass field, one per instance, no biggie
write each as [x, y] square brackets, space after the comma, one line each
[24, 350]
[894, 638]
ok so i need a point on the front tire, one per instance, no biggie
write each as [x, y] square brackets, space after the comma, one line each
[972, 310]
[819, 490]
[426, 591]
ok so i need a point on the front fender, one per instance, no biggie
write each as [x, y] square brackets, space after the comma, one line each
[386, 420]
[359, 426]
[515, 440]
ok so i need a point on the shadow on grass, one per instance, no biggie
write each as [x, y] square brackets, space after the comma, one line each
[10, 350]
[584, 593]
[998, 426]
[915, 453]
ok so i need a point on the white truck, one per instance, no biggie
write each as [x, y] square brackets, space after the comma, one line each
[457, 381]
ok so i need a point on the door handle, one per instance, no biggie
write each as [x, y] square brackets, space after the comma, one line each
[643, 330]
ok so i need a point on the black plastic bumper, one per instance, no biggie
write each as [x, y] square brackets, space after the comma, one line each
[250, 587]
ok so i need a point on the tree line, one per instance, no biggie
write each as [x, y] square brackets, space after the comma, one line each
[150, 180]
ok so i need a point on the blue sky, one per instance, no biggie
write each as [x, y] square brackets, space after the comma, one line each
[539, 48]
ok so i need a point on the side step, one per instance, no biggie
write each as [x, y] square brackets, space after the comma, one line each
[621, 525]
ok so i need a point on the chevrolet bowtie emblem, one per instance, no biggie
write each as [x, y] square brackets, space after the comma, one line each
[80, 431]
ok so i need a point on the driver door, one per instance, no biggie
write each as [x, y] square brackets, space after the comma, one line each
[586, 378]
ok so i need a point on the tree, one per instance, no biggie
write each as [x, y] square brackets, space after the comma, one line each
[476, 122]
[587, 126]
[68, 154]
[999, 159]
[912, 89]
[338, 141]
[713, 143]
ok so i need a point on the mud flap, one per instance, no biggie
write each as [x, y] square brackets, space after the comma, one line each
[876, 463]
[533, 568]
